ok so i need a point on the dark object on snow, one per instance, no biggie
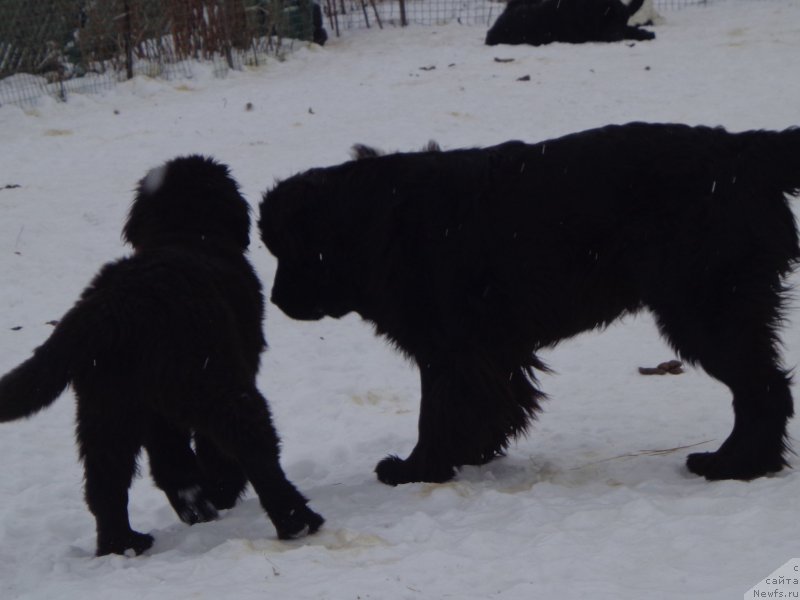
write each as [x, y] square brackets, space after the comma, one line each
[318, 35]
[162, 347]
[470, 261]
[673, 367]
[297, 19]
[538, 22]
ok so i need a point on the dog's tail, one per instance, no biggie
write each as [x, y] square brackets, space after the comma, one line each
[36, 383]
[634, 6]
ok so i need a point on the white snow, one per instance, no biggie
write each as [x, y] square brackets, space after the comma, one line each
[595, 503]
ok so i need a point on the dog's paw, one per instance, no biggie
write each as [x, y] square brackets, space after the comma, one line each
[393, 470]
[130, 541]
[297, 523]
[716, 466]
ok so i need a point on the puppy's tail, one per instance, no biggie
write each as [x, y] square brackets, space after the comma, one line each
[37, 382]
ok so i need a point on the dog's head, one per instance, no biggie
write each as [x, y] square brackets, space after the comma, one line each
[191, 197]
[332, 228]
[302, 225]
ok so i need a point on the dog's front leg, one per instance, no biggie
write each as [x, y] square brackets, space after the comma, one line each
[430, 460]
[472, 405]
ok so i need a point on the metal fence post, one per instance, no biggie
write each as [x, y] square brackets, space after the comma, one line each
[127, 37]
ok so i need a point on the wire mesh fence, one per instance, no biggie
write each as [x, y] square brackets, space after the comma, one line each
[57, 47]
[357, 14]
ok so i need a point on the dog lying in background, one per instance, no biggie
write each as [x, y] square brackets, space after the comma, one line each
[471, 261]
[163, 347]
[539, 22]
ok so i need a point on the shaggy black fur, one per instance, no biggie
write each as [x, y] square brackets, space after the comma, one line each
[470, 261]
[164, 346]
[538, 22]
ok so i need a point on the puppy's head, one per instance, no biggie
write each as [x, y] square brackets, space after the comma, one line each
[189, 197]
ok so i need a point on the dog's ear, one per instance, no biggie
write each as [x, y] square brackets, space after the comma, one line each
[362, 151]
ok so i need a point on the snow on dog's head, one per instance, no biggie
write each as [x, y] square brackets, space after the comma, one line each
[188, 198]
[153, 180]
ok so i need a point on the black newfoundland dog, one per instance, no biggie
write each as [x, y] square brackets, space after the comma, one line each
[163, 347]
[470, 261]
[538, 22]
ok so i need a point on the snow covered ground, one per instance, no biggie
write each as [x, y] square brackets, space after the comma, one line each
[595, 503]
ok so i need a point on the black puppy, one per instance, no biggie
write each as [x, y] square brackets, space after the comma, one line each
[470, 261]
[538, 22]
[163, 345]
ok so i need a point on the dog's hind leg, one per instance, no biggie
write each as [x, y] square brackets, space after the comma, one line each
[174, 469]
[470, 409]
[244, 431]
[734, 339]
[223, 480]
[757, 445]
[109, 444]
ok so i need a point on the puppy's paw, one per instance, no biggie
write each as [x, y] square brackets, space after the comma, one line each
[124, 543]
[297, 523]
[192, 506]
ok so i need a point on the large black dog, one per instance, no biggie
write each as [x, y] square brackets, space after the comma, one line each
[470, 261]
[538, 22]
[162, 346]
